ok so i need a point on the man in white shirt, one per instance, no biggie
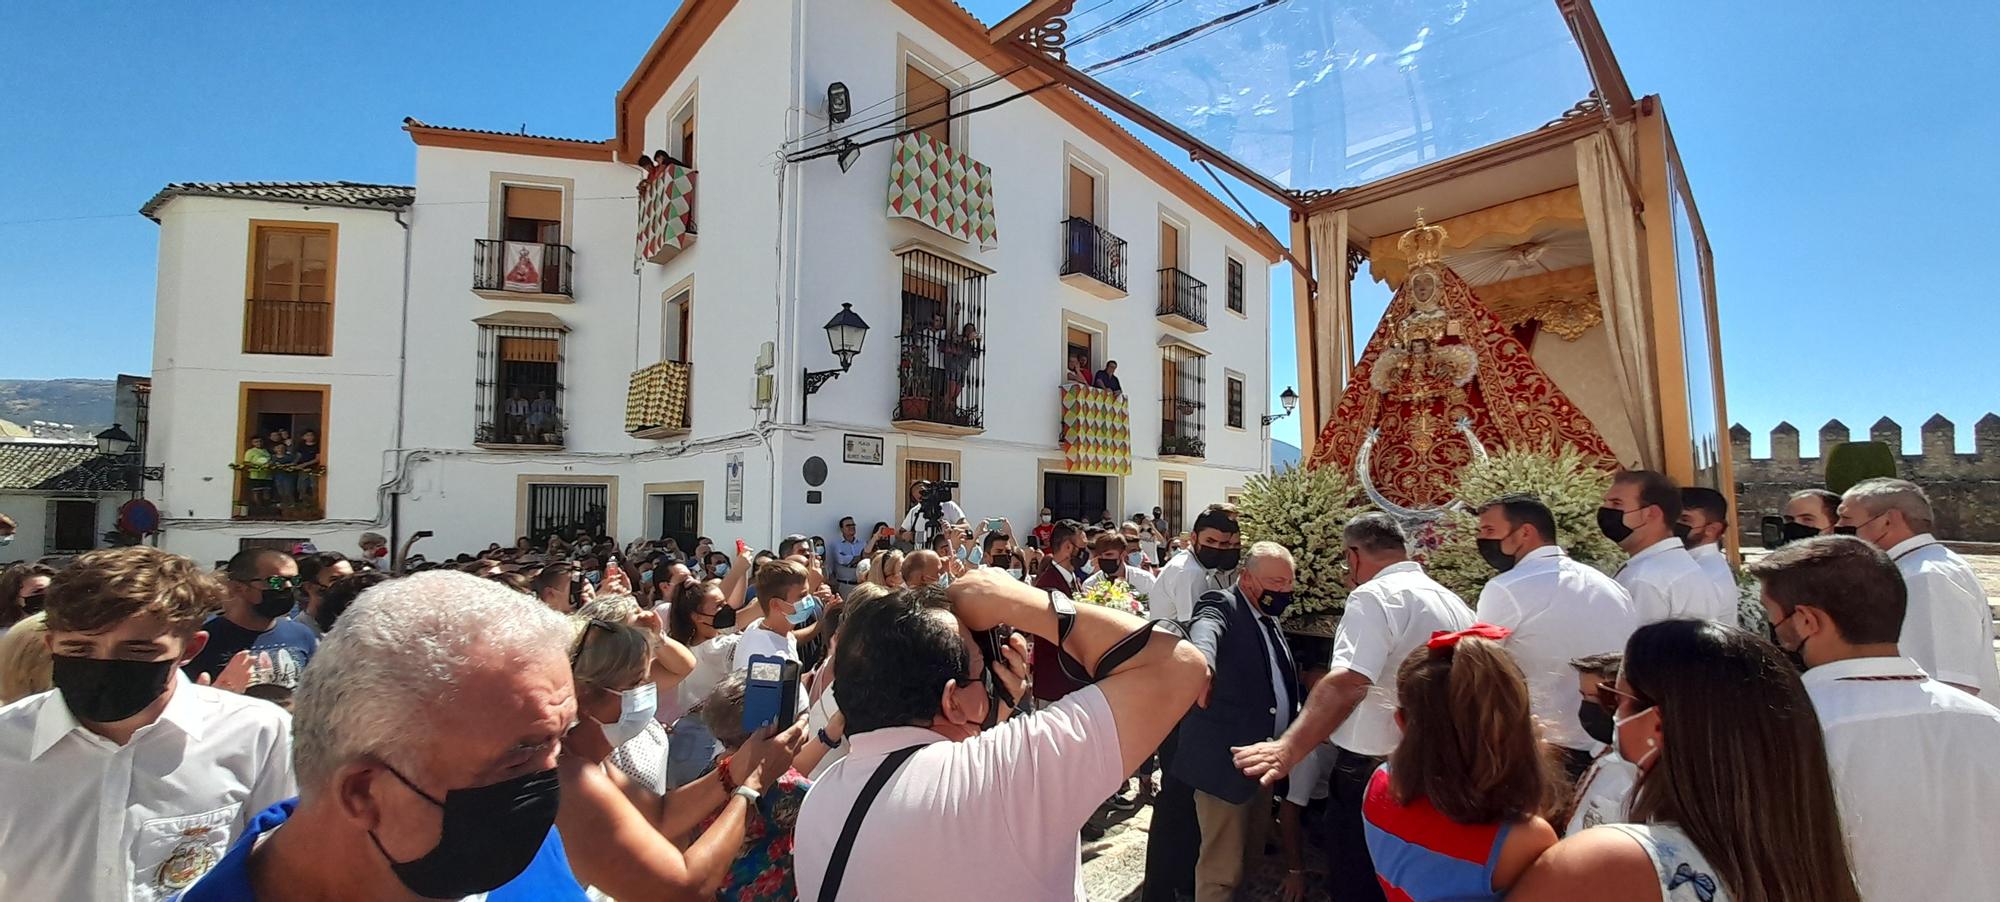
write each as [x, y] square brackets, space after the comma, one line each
[781, 589]
[1394, 609]
[127, 781]
[1704, 522]
[1911, 757]
[1948, 628]
[968, 797]
[1639, 513]
[919, 526]
[1560, 610]
[1209, 567]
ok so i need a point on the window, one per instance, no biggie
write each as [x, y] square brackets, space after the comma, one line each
[519, 400]
[677, 328]
[1170, 245]
[1234, 415]
[941, 373]
[290, 307]
[281, 459]
[531, 214]
[1181, 392]
[685, 128]
[563, 507]
[1081, 352]
[72, 525]
[1235, 286]
[926, 104]
[1173, 505]
[931, 470]
[524, 253]
[1082, 194]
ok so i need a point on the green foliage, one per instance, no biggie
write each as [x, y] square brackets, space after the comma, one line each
[1850, 462]
[1305, 511]
[1571, 487]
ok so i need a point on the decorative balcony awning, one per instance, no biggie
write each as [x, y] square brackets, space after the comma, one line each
[657, 397]
[666, 212]
[944, 189]
[1096, 431]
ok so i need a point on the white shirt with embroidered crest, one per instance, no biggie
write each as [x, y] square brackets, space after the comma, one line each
[1947, 628]
[84, 818]
[1667, 584]
[1912, 760]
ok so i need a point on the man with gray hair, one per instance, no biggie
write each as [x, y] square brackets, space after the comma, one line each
[424, 739]
[1947, 629]
[1253, 695]
[1392, 610]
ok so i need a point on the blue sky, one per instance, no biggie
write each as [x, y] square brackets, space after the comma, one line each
[1840, 153]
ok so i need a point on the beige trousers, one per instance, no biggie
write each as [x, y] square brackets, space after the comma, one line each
[1232, 837]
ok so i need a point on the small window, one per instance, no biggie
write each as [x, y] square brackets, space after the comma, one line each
[1173, 505]
[1080, 352]
[564, 508]
[1082, 194]
[926, 104]
[1235, 413]
[1170, 245]
[532, 214]
[1235, 278]
[677, 329]
[72, 525]
[520, 386]
[930, 470]
[687, 138]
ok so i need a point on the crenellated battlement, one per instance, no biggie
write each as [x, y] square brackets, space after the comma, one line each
[1964, 488]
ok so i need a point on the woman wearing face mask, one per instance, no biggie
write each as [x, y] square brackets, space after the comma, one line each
[21, 588]
[616, 832]
[701, 619]
[1734, 799]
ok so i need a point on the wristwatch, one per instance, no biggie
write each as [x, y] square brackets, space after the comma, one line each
[828, 741]
[1065, 611]
[748, 794]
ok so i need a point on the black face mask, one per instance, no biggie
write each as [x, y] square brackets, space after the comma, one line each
[1683, 532]
[1847, 530]
[1079, 558]
[1275, 603]
[724, 619]
[32, 605]
[1797, 532]
[276, 603]
[1596, 721]
[1109, 566]
[490, 835]
[100, 690]
[1489, 551]
[1612, 524]
[1217, 558]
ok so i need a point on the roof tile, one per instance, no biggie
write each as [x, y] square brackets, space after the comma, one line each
[362, 195]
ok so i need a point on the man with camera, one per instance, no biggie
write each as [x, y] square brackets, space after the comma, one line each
[935, 781]
[931, 508]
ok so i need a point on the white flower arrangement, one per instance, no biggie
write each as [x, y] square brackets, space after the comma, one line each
[1305, 510]
[1571, 487]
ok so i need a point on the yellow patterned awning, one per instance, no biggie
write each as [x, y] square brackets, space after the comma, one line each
[1096, 431]
[657, 399]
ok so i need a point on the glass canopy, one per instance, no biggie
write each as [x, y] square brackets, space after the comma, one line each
[1328, 94]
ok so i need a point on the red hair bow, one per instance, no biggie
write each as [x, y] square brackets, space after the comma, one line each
[1449, 639]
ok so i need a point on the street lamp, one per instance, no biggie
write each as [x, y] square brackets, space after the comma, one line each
[845, 333]
[1290, 399]
[114, 441]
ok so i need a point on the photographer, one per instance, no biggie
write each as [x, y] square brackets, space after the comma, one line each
[960, 791]
[931, 508]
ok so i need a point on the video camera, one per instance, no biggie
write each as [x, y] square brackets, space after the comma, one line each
[930, 503]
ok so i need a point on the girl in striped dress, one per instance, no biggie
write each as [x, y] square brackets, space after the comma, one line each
[1457, 812]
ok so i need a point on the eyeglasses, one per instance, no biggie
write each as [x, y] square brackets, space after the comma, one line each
[583, 638]
[1615, 691]
[275, 583]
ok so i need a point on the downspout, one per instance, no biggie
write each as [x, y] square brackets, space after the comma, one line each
[402, 392]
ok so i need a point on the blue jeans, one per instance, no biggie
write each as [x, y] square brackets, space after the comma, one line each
[690, 751]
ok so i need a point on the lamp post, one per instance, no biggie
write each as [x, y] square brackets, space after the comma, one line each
[1290, 400]
[844, 336]
[115, 442]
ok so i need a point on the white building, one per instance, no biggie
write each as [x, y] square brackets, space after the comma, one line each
[525, 341]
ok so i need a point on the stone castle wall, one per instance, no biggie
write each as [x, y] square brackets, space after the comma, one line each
[1964, 488]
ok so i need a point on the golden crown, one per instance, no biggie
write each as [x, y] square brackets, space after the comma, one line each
[1423, 244]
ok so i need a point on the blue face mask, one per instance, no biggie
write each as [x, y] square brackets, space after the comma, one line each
[721, 570]
[803, 611]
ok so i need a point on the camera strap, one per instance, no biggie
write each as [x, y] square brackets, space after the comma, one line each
[836, 865]
[1123, 650]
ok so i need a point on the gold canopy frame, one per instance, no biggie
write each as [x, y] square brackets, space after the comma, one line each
[1667, 344]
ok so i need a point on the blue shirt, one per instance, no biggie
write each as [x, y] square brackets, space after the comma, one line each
[290, 643]
[547, 879]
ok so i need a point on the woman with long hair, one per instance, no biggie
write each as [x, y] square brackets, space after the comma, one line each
[21, 589]
[692, 620]
[886, 569]
[1734, 801]
[1458, 811]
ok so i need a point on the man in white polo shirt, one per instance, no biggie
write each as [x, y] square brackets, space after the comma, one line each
[1640, 511]
[962, 801]
[1394, 609]
[127, 781]
[1948, 628]
[1559, 610]
[1704, 523]
[1911, 757]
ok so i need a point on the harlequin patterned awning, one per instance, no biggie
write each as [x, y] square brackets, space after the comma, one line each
[657, 397]
[1096, 431]
[944, 189]
[666, 212]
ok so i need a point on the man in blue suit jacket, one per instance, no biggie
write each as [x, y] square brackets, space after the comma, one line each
[1253, 696]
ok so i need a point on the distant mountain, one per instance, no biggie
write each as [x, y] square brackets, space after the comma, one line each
[1283, 454]
[84, 403]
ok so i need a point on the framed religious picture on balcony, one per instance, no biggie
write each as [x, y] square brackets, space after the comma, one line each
[861, 449]
[523, 266]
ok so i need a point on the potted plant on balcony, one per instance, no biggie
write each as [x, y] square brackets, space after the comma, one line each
[915, 403]
[1181, 446]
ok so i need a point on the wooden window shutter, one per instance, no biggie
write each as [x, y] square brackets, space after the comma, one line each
[1082, 195]
[527, 350]
[926, 105]
[543, 204]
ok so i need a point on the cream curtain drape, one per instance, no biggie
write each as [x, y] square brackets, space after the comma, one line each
[1333, 310]
[1616, 251]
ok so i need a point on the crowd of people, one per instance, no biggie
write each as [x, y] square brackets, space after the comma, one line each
[926, 709]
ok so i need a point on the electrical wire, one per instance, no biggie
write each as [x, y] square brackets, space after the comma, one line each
[1173, 40]
[838, 147]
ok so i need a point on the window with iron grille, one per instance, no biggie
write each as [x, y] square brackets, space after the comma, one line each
[1182, 388]
[941, 373]
[519, 397]
[561, 508]
[1173, 505]
[1235, 412]
[1235, 298]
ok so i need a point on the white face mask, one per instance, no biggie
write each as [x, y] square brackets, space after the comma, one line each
[7, 539]
[1617, 725]
[1046, 518]
[635, 711]
[1014, 572]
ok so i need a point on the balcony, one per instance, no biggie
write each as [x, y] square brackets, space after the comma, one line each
[666, 210]
[287, 327]
[521, 270]
[656, 402]
[937, 185]
[1183, 301]
[1181, 436]
[941, 371]
[1096, 430]
[1093, 259]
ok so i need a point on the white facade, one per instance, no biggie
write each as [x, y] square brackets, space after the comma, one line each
[780, 247]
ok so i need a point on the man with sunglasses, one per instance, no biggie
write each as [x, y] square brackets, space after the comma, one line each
[264, 588]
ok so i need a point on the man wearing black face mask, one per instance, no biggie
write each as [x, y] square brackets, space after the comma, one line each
[128, 781]
[1253, 696]
[264, 588]
[426, 747]
[1209, 567]
[1068, 552]
[1112, 553]
[1642, 512]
